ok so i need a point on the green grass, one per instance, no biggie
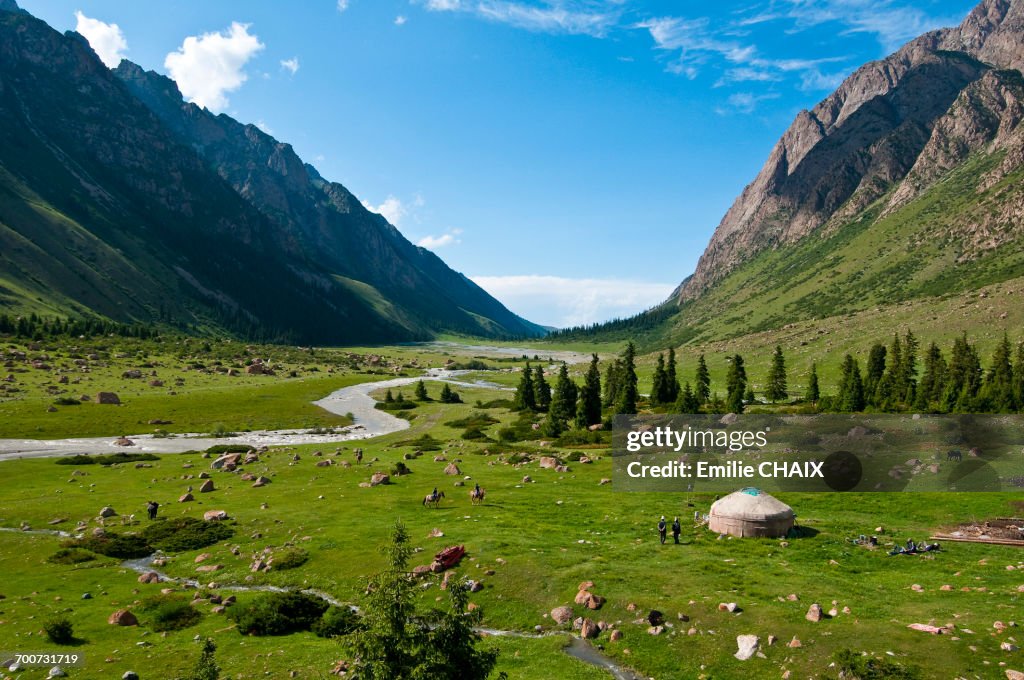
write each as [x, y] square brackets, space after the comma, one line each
[541, 540]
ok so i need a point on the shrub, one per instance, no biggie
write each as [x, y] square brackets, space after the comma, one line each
[496, 403]
[473, 434]
[78, 459]
[185, 533]
[289, 558]
[221, 449]
[67, 401]
[423, 443]
[400, 469]
[854, 666]
[71, 556]
[474, 420]
[335, 622]
[122, 546]
[277, 613]
[59, 631]
[107, 459]
[168, 612]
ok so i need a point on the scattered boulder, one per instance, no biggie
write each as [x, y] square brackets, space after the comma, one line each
[108, 398]
[561, 615]
[748, 646]
[261, 481]
[123, 441]
[108, 511]
[379, 478]
[122, 617]
[794, 643]
[814, 613]
[616, 635]
[149, 577]
[589, 630]
[215, 515]
[548, 462]
[226, 459]
[452, 469]
[207, 486]
[926, 628]
[186, 498]
[325, 463]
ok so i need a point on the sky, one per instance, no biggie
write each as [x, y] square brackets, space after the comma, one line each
[573, 157]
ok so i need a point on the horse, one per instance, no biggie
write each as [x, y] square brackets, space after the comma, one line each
[432, 499]
[476, 496]
[955, 455]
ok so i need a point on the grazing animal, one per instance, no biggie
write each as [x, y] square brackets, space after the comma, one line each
[127, 519]
[433, 498]
[476, 495]
[955, 455]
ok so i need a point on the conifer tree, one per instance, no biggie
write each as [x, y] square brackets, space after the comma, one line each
[851, 387]
[563, 398]
[776, 388]
[421, 392]
[626, 403]
[526, 398]
[906, 375]
[963, 377]
[886, 390]
[449, 396]
[875, 371]
[997, 394]
[612, 382]
[702, 388]
[813, 391]
[659, 386]
[589, 407]
[206, 667]
[388, 397]
[687, 401]
[933, 380]
[671, 377]
[735, 385]
[541, 389]
[1018, 376]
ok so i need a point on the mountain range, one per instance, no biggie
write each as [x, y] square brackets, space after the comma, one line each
[119, 198]
[896, 196]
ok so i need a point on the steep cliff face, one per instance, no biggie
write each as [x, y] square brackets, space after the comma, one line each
[875, 134]
[149, 208]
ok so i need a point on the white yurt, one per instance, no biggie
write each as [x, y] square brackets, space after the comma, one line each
[751, 512]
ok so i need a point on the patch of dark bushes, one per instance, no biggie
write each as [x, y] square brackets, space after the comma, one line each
[170, 611]
[221, 449]
[67, 401]
[335, 622]
[105, 459]
[475, 420]
[185, 533]
[60, 631]
[277, 613]
[121, 546]
[423, 443]
[289, 558]
[71, 556]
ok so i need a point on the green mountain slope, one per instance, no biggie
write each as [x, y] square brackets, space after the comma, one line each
[113, 205]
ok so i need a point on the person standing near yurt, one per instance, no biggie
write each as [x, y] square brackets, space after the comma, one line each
[662, 529]
[677, 528]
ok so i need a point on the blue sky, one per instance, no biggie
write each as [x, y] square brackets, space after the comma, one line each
[572, 156]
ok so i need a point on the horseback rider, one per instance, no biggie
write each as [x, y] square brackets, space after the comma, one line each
[476, 488]
[433, 494]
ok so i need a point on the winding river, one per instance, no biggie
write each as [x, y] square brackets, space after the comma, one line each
[368, 422]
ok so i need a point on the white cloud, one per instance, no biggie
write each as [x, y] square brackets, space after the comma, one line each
[400, 20]
[576, 17]
[562, 302]
[892, 25]
[342, 5]
[392, 209]
[745, 102]
[262, 125]
[106, 40]
[290, 65]
[446, 239]
[209, 66]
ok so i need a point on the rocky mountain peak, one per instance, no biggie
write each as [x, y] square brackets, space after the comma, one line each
[861, 140]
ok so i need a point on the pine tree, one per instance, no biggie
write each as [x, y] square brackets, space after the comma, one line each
[206, 667]
[659, 387]
[963, 377]
[421, 392]
[389, 398]
[776, 388]
[886, 392]
[851, 387]
[552, 426]
[702, 387]
[449, 396]
[1018, 376]
[735, 385]
[997, 394]
[932, 386]
[876, 369]
[687, 401]
[526, 398]
[906, 377]
[563, 398]
[541, 389]
[612, 382]
[626, 403]
[671, 378]
[589, 407]
[813, 391]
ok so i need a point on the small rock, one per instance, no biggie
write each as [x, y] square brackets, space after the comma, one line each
[814, 613]
[747, 646]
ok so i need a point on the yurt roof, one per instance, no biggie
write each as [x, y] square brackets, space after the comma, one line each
[752, 504]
